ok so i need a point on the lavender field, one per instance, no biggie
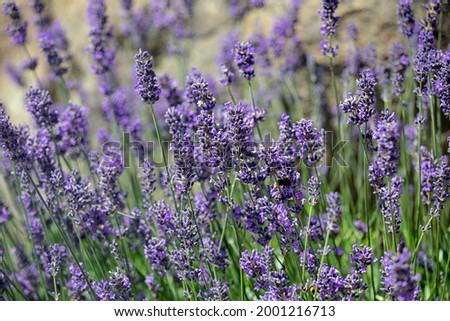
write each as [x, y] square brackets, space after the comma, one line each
[281, 175]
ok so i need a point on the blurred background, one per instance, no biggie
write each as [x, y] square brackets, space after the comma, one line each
[209, 21]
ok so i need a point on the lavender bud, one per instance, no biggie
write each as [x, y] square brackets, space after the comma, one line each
[147, 86]
[406, 19]
[18, 28]
[398, 280]
[244, 56]
[361, 258]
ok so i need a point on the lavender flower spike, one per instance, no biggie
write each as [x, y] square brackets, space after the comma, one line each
[328, 28]
[361, 258]
[397, 277]
[244, 56]
[147, 86]
[360, 107]
[10, 138]
[18, 28]
[406, 19]
[40, 105]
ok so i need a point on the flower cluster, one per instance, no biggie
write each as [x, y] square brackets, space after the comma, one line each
[398, 278]
[147, 86]
[328, 28]
[360, 106]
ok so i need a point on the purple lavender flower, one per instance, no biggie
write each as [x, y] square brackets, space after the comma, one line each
[280, 290]
[311, 264]
[52, 259]
[314, 190]
[114, 250]
[209, 253]
[210, 143]
[43, 151]
[387, 136]
[38, 7]
[255, 221]
[4, 213]
[148, 181]
[184, 256]
[156, 254]
[397, 83]
[361, 258]
[333, 212]
[353, 58]
[170, 91]
[182, 147]
[370, 56]
[310, 142]
[354, 286]
[120, 282]
[147, 86]
[352, 32]
[103, 56]
[441, 186]
[103, 291]
[239, 128]
[18, 28]
[360, 226]
[433, 8]
[244, 56]
[328, 28]
[329, 284]
[11, 138]
[30, 64]
[406, 19]
[398, 280]
[72, 131]
[257, 266]
[217, 292]
[389, 203]
[441, 82]
[77, 284]
[40, 105]
[284, 41]
[153, 285]
[54, 58]
[79, 196]
[198, 92]
[397, 59]
[27, 274]
[360, 107]
[225, 58]
[109, 173]
[36, 230]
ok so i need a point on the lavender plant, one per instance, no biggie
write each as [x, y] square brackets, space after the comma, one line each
[223, 187]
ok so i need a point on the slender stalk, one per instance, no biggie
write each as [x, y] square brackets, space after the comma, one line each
[306, 242]
[254, 109]
[336, 95]
[366, 206]
[55, 288]
[166, 166]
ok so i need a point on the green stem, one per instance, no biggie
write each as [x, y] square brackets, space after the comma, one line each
[254, 109]
[166, 166]
[55, 288]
